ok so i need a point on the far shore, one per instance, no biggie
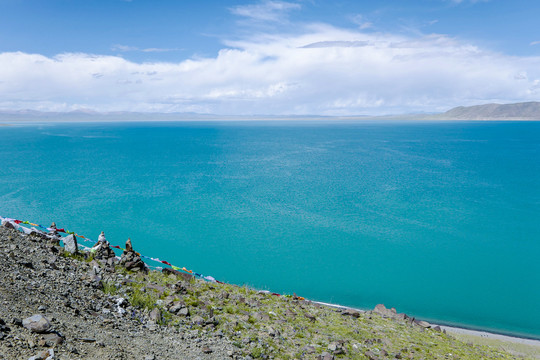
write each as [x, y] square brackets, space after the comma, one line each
[523, 111]
[8, 121]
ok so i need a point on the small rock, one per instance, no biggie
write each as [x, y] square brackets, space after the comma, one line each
[4, 327]
[261, 316]
[326, 356]
[272, 332]
[177, 273]
[176, 307]
[155, 315]
[37, 324]
[351, 312]
[402, 316]
[44, 355]
[308, 349]
[53, 339]
[382, 310]
[27, 264]
[95, 282]
[8, 224]
[207, 350]
[183, 312]
[423, 324]
[197, 320]
[157, 288]
[111, 262]
[311, 317]
[87, 340]
[370, 355]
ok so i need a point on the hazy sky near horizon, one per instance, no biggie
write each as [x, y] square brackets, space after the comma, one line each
[341, 57]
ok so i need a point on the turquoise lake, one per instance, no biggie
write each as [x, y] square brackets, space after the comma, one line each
[440, 220]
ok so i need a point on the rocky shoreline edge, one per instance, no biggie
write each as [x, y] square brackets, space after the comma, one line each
[62, 303]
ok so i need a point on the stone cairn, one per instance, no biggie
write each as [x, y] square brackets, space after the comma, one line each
[131, 260]
[104, 252]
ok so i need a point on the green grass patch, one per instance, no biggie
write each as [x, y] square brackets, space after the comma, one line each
[109, 288]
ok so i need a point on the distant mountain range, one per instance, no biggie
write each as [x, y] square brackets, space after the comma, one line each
[517, 111]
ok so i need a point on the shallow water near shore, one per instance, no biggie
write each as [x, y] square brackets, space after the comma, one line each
[439, 220]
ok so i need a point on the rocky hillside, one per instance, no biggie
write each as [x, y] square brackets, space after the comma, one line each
[518, 111]
[59, 304]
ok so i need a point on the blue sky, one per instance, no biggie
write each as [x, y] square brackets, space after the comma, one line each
[267, 57]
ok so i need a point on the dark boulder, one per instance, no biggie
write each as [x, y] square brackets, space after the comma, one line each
[351, 312]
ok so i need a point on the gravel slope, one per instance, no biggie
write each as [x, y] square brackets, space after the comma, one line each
[34, 279]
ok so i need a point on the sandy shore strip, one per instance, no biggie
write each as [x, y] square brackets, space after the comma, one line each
[521, 347]
[489, 335]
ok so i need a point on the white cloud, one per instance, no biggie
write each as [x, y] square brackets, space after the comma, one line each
[361, 21]
[126, 48]
[265, 11]
[160, 49]
[324, 70]
[468, 1]
[535, 43]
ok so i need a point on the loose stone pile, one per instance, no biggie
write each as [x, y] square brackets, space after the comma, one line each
[131, 260]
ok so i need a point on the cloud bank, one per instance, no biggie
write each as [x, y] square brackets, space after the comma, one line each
[323, 70]
[265, 11]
